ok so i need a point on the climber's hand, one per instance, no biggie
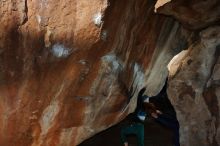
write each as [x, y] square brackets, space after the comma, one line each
[154, 115]
[125, 144]
[158, 112]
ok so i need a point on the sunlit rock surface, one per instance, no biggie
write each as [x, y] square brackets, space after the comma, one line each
[194, 90]
[69, 69]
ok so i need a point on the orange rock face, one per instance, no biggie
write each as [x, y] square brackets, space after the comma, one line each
[68, 68]
[195, 14]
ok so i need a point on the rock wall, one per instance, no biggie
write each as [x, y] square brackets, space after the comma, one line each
[194, 82]
[194, 89]
[194, 15]
[69, 69]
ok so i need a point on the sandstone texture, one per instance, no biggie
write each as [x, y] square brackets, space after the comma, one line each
[69, 69]
[194, 89]
[194, 14]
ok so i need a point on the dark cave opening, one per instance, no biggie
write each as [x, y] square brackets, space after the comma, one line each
[156, 134]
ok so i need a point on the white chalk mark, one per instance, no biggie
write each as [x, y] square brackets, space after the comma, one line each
[60, 50]
[97, 19]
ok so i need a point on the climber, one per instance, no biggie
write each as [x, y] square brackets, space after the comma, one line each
[165, 113]
[158, 107]
[137, 119]
[168, 122]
